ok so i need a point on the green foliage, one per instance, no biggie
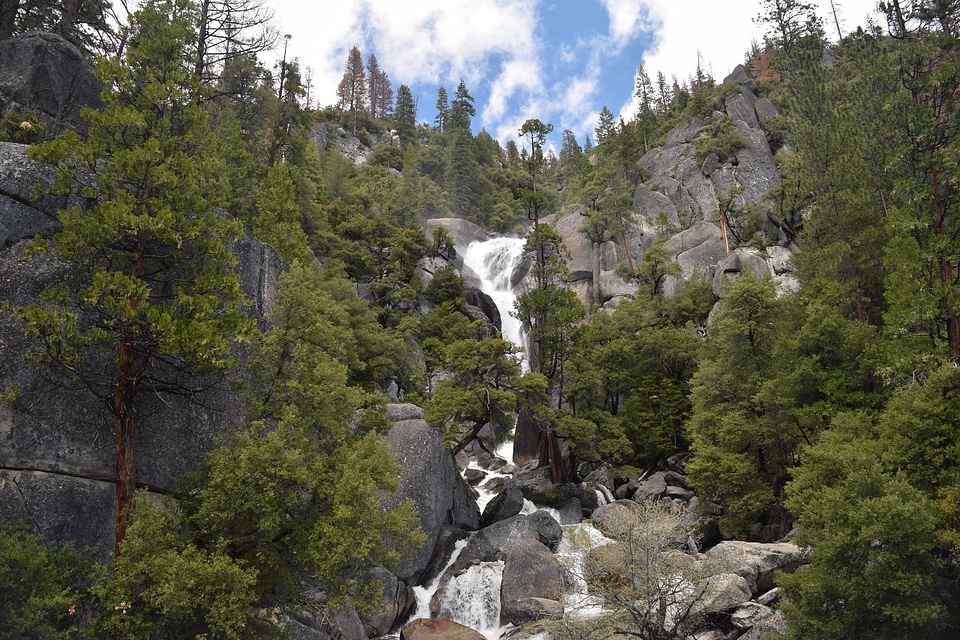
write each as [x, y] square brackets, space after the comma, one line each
[25, 128]
[165, 585]
[296, 492]
[873, 570]
[153, 301]
[44, 594]
[480, 390]
[446, 286]
[720, 138]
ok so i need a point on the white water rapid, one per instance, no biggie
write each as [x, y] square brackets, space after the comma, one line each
[494, 261]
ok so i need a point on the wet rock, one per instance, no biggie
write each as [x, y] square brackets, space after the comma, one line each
[429, 478]
[506, 504]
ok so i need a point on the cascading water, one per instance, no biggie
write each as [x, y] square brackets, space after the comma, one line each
[494, 262]
[473, 599]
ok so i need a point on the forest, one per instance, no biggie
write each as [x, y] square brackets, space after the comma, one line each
[832, 412]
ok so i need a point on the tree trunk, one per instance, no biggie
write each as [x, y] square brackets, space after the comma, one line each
[8, 17]
[125, 471]
[202, 36]
[68, 18]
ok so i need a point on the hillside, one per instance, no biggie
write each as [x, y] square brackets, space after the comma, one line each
[248, 367]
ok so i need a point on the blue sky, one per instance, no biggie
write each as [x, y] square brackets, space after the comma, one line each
[559, 61]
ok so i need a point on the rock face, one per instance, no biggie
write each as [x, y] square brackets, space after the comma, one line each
[431, 480]
[45, 73]
[679, 201]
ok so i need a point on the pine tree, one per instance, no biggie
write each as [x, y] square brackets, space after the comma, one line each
[443, 110]
[405, 115]
[352, 89]
[158, 306]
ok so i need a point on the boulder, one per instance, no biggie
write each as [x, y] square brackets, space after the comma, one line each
[506, 504]
[437, 629]
[765, 622]
[722, 592]
[756, 562]
[610, 519]
[749, 614]
[398, 602]
[532, 577]
[571, 511]
[44, 73]
[497, 540]
[533, 481]
[652, 488]
[429, 478]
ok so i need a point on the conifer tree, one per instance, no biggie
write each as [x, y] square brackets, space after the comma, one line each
[158, 305]
[352, 89]
[443, 110]
[405, 115]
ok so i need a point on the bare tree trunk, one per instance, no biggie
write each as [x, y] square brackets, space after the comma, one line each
[8, 17]
[69, 18]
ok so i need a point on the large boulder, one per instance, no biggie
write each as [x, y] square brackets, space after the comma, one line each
[532, 578]
[398, 602]
[506, 504]
[431, 480]
[438, 629]
[44, 73]
[499, 539]
[756, 562]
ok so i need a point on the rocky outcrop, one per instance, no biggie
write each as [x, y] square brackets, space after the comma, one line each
[43, 73]
[679, 201]
[756, 562]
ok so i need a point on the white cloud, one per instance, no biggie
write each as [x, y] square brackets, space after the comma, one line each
[627, 18]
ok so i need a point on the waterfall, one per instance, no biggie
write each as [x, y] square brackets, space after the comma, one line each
[494, 262]
[473, 599]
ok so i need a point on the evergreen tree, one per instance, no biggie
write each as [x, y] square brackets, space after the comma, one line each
[352, 90]
[158, 305]
[443, 110]
[405, 115]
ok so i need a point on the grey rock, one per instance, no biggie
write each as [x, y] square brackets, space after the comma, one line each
[430, 478]
[571, 511]
[497, 540]
[404, 411]
[611, 519]
[530, 570]
[765, 110]
[749, 614]
[398, 603]
[506, 504]
[722, 592]
[651, 489]
[678, 492]
[45, 73]
[756, 562]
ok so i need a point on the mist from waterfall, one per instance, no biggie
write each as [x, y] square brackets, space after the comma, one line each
[494, 262]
